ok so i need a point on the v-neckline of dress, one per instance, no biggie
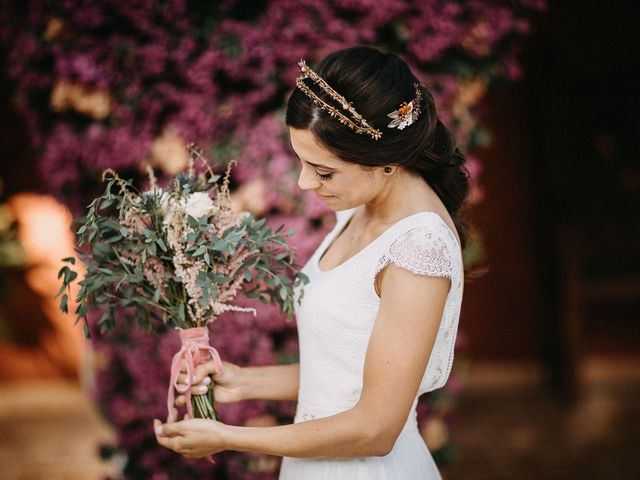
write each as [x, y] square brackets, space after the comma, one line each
[370, 244]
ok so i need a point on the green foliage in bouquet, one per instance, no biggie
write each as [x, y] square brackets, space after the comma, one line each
[177, 254]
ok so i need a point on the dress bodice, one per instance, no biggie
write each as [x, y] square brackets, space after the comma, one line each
[339, 308]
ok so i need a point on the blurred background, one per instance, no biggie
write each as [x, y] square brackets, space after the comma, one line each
[542, 97]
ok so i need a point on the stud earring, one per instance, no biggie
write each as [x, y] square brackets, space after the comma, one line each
[388, 170]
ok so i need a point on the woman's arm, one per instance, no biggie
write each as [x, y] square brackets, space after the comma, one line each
[405, 330]
[275, 382]
[234, 383]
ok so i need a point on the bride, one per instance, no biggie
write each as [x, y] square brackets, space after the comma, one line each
[378, 320]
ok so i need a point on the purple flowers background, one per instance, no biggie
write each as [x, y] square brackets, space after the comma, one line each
[99, 82]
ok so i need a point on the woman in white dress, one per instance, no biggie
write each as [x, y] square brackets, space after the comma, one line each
[378, 320]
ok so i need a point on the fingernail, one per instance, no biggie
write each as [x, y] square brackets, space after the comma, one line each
[206, 381]
[202, 389]
[194, 378]
[158, 429]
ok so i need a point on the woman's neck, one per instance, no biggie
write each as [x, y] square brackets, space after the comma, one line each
[406, 194]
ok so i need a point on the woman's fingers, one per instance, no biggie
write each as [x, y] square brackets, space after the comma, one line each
[199, 390]
[183, 378]
[203, 371]
[167, 434]
[198, 379]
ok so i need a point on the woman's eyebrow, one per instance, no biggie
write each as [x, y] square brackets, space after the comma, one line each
[317, 165]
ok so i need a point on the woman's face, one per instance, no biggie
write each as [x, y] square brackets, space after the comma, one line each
[341, 185]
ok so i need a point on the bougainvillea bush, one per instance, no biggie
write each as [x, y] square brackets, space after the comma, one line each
[125, 84]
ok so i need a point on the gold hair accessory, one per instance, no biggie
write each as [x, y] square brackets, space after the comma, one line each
[356, 123]
[407, 113]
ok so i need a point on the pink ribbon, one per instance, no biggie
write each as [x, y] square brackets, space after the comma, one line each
[195, 351]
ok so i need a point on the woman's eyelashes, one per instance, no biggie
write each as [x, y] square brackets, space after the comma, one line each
[324, 176]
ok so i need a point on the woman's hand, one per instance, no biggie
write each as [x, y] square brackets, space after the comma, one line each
[194, 438]
[227, 384]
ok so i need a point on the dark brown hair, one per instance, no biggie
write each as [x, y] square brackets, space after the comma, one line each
[376, 83]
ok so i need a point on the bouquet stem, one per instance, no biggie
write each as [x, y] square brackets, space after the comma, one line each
[195, 351]
[204, 405]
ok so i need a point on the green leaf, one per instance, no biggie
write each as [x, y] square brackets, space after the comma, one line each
[82, 309]
[193, 222]
[107, 203]
[62, 289]
[202, 280]
[201, 250]
[71, 260]
[113, 239]
[85, 330]
[282, 255]
[63, 271]
[220, 246]
[204, 300]
[64, 303]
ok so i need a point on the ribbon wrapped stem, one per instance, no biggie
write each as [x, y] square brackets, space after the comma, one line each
[195, 350]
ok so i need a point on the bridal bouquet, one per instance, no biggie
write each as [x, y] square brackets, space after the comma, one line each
[178, 255]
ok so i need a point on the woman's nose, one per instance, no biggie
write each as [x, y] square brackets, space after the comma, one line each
[307, 180]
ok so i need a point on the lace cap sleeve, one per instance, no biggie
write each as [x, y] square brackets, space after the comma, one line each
[421, 250]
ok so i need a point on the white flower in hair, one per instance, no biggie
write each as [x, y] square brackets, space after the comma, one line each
[403, 117]
[407, 113]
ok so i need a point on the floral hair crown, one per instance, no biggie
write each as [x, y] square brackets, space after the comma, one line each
[406, 114]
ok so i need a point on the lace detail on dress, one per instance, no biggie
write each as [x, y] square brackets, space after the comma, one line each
[420, 251]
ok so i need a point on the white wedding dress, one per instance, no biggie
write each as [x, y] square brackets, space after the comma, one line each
[335, 320]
